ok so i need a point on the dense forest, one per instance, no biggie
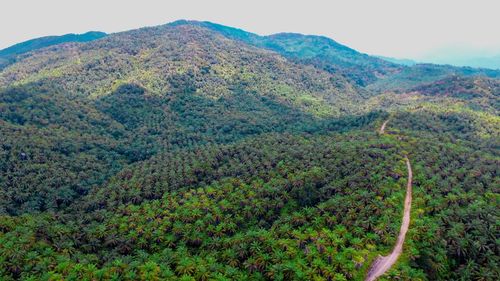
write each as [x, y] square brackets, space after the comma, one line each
[11, 54]
[194, 151]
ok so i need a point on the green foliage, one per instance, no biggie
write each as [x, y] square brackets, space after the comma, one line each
[324, 53]
[261, 212]
[420, 74]
[191, 151]
[86, 111]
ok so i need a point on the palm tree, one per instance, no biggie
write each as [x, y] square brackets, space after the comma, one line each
[185, 266]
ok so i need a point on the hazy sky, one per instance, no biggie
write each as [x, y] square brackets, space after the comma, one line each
[398, 28]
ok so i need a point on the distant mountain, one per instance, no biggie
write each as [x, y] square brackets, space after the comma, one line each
[325, 53]
[406, 62]
[8, 55]
[421, 74]
[464, 87]
[319, 51]
[492, 62]
[479, 92]
[464, 56]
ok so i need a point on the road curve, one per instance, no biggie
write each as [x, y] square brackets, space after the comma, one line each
[382, 264]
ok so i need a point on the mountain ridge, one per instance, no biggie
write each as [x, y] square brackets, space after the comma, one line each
[9, 54]
[350, 60]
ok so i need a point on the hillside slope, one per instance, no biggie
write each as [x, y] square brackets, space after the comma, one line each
[194, 151]
[375, 73]
[104, 104]
[421, 74]
[9, 55]
[319, 51]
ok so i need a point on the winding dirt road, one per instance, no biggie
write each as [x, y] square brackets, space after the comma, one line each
[382, 264]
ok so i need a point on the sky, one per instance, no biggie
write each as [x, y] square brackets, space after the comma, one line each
[418, 29]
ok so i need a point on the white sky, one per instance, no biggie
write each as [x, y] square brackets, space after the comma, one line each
[398, 28]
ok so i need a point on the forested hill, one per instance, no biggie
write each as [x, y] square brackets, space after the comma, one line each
[9, 55]
[320, 51]
[333, 57]
[101, 105]
[196, 151]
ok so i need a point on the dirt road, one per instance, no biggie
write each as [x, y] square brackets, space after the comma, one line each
[382, 264]
[382, 129]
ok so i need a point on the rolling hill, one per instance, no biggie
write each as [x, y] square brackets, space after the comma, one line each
[319, 51]
[132, 94]
[196, 151]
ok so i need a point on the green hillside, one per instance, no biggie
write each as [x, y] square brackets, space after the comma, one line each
[196, 151]
[319, 51]
[117, 101]
[420, 74]
[11, 54]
